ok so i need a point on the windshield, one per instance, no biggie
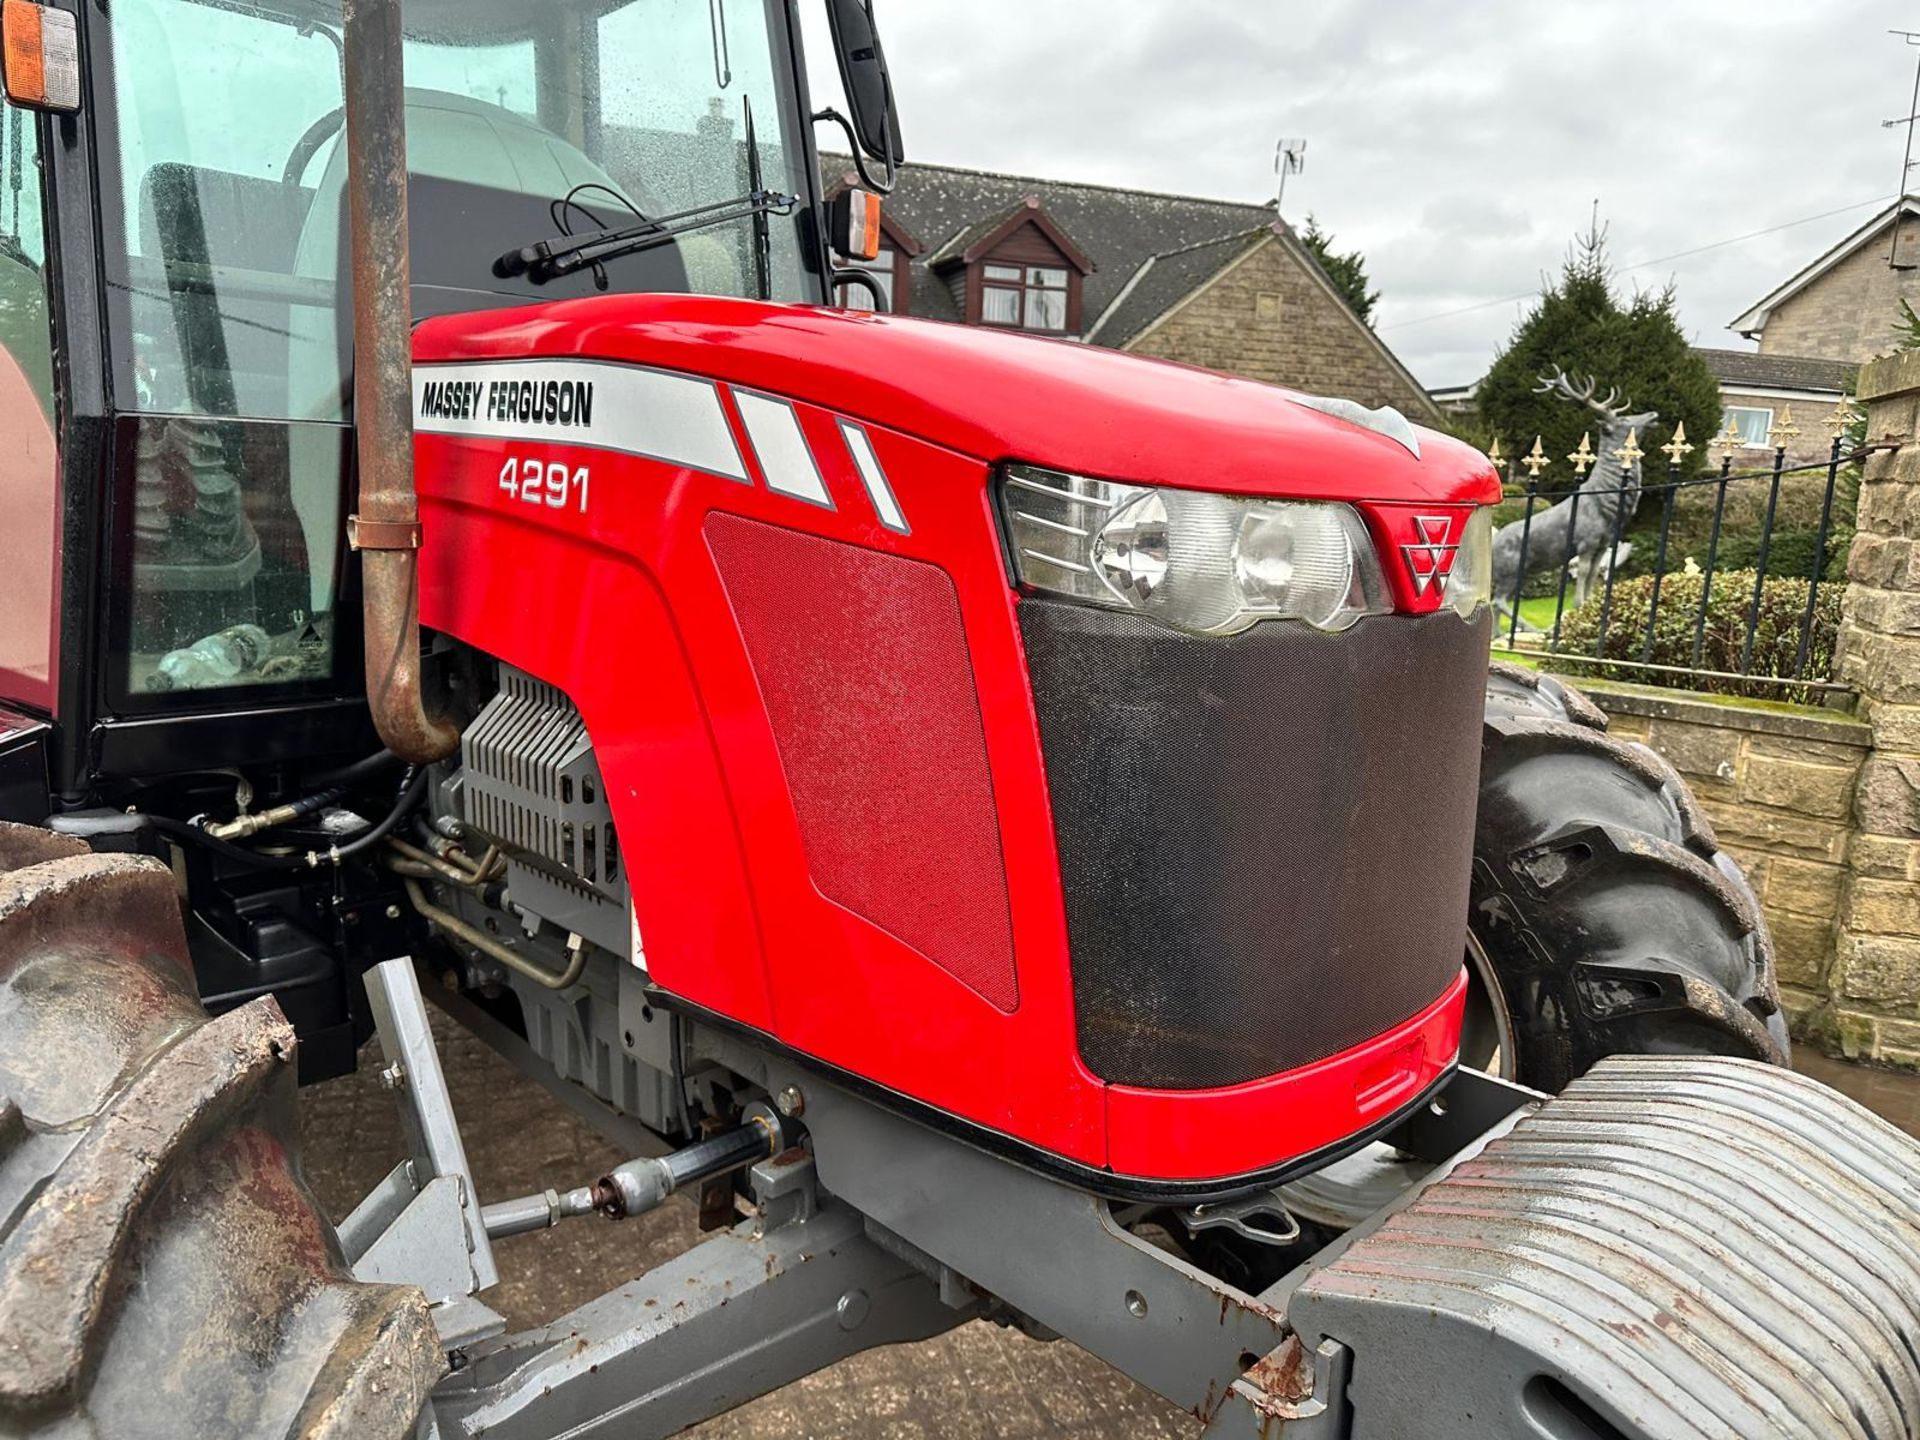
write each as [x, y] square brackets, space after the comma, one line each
[225, 214]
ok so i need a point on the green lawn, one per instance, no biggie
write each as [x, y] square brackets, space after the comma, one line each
[1537, 614]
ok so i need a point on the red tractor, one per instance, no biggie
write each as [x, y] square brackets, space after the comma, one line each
[958, 801]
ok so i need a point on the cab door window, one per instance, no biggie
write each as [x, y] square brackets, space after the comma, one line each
[29, 455]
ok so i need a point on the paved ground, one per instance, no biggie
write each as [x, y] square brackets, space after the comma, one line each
[978, 1383]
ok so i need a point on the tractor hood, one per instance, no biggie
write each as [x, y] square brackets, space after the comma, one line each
[995, 395]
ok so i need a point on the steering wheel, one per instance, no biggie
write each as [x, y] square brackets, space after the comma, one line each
[309, 143]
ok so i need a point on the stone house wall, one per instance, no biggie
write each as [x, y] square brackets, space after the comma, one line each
[1270, 318]
[1812, 446]
[1848, 313]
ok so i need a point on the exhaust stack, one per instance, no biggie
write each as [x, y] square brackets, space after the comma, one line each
[385, 527]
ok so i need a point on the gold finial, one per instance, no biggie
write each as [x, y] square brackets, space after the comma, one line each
[1535, 460]
[1841, 416]
[1784, 430]
[1677, 449]
[1584, 456]
[1629, 452]
[1493, 454]
[1727, 441]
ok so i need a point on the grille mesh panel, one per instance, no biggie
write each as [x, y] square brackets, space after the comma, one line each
[1264, 840]
[862, 661]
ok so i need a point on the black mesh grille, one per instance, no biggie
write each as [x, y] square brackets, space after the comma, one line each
[1264, 840]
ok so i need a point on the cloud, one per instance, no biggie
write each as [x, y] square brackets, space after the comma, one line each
[1460, 147]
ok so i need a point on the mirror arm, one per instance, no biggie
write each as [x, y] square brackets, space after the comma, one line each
[881, 305]
[878, 186]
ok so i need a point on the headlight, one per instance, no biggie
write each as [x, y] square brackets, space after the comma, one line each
[1470, 582]
[1213, 564]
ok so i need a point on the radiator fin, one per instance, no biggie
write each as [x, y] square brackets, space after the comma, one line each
[532, 786]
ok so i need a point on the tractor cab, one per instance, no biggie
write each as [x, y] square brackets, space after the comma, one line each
[204, 388]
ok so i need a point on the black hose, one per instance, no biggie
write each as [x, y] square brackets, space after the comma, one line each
[411, 791]
[409, 797]
[347, 776]
[180, 829]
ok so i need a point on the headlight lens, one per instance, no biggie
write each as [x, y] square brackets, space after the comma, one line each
[1470, 582]
[1213, 564]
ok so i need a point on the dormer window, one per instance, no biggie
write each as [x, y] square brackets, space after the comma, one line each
[1032, 297]
[1016, 269]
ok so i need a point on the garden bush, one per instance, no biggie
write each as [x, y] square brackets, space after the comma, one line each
[1776, 644]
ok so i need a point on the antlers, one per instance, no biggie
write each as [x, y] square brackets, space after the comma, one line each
[1558, 384]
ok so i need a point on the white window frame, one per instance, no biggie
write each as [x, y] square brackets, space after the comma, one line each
[1766, 436]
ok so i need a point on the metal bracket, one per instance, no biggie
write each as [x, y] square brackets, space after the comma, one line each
[1262, 1218]
[422, 1225]
[754, 1308]
[1054, 1254]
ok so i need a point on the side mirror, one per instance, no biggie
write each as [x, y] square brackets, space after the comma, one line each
[863, 74]
[39, 56]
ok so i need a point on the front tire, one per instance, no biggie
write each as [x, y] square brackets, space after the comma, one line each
[1613, 921]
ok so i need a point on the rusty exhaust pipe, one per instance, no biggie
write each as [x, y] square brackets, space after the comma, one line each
[385, 527]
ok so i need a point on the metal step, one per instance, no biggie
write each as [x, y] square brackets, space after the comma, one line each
[1671, 1248]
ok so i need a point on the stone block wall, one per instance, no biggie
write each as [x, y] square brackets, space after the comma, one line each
[1875, 1011]
[1269, 317]
[1848, 313]
[1777, 783]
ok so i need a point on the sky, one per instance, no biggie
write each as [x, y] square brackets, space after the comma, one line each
[1459, 146]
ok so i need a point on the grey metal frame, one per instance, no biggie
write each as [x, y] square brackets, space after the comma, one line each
[1673, 1247]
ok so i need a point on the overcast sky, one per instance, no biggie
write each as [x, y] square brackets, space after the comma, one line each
[1460, 146]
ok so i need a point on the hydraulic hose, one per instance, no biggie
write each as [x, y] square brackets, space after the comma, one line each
[347, 776]
[313, 859]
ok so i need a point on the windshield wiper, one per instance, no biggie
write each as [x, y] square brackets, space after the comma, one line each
[567, 254]
[762, 236]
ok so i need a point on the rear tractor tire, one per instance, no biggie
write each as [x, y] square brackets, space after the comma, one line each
[164, 1271]
[1605, 919]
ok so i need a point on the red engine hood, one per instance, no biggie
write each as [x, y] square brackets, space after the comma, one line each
[991, 394]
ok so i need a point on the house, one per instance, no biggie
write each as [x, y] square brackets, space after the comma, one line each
[1843, 305]
[1460, 402]
[1761, 391]
[1213, 283]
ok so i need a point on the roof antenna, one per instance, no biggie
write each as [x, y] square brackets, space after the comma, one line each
[1912, 37]
[1289, 158]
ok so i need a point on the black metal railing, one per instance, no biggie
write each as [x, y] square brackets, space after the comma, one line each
[1763, 626]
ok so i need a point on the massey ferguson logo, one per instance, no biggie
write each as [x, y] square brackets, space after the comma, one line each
[1430, 557]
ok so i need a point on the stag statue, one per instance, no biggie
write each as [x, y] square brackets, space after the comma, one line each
[1579, 531]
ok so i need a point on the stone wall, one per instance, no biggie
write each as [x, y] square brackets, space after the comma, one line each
[1848, 313]
[1270, 317]
[1777, 783]
[1876, 981]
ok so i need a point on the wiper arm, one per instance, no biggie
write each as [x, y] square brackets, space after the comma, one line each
[762, 237]
[567, 254]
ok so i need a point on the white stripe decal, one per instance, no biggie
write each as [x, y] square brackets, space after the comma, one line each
[785, 457]
[654, 413]
[860, 447]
